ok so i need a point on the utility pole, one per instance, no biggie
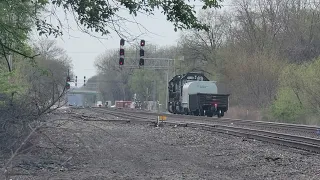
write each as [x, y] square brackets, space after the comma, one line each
[147, 94]
[154, 95]
[52, 89]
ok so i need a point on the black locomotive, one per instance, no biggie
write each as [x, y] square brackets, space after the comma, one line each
[194, 94]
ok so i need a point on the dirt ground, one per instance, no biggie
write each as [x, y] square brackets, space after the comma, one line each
[117, 150]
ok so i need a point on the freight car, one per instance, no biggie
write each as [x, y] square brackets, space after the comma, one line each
[194, 94]
[123, 104]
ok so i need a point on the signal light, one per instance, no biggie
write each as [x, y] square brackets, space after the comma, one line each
[141, 52]
[121, 61]
[84, 81]
[121, 42]
[121, 52]
[67, 86]
[68, 79]
[141, 62]
[142, 43]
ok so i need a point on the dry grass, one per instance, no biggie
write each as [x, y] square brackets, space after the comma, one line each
[254, 114]
[243, 113]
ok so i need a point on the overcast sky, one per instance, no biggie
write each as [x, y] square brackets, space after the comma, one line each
[84, 49]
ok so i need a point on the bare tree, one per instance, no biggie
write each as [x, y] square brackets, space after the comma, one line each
[40, 87]
[201, 48]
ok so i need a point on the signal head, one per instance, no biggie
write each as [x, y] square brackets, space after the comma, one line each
[121, 42]
[141, 62]
[67, 86]
[142, 42]
[68, 79]
[141, 52]
[121, 52]
[121, 61]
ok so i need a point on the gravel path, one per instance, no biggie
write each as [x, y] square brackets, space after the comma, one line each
[118, 150]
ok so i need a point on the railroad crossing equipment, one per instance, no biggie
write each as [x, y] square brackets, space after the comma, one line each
[160, 118]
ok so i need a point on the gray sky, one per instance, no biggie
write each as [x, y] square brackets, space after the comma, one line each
[84, 49]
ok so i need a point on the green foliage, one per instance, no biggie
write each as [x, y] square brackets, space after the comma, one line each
[8, 83]
[16, 21]
[299, 91]
[147, 83]
[141, 82]
[287, 107]
[99, 15]
[18, 17]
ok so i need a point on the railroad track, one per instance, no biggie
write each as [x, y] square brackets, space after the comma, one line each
[274, 125]
[290, 140]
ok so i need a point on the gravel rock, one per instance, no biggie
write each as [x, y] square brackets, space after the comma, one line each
[220, 121]
[119, 150]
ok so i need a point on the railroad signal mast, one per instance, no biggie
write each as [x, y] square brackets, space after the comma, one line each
[121, 59]
[68, 82]
[141, 61]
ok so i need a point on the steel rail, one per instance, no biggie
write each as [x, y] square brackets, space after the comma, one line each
[293, 127]
[294, 141]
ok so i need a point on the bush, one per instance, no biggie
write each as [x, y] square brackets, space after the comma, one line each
[287, 107]
[298, 94]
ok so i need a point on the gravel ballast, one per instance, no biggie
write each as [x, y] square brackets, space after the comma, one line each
[223, 121]
[119, 150]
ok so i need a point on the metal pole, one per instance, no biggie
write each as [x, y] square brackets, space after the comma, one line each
[154, 104]
[147, 99]
[52, 91]
[174, 67]
[167, 85]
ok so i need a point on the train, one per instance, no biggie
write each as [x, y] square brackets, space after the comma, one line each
[194, 94]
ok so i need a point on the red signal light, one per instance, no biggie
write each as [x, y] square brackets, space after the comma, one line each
[142, 42]
[121, 61]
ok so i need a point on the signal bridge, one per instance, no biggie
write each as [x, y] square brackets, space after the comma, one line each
[150, 63]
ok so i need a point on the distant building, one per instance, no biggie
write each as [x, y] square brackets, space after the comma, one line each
[79, 97]
[75, 100]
